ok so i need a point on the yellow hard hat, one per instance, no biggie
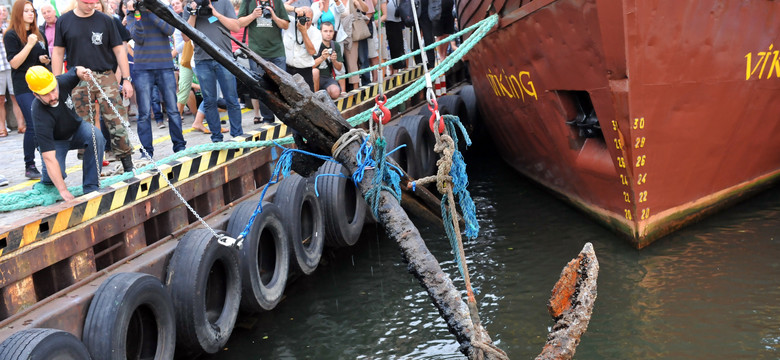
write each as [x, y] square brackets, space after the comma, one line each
[40, 80]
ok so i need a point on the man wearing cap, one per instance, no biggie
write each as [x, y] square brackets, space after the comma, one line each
[58, 128]
[90, 39]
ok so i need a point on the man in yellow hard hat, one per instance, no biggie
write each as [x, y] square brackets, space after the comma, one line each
[58, 128]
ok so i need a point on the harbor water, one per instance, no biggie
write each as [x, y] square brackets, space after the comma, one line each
[708, 291]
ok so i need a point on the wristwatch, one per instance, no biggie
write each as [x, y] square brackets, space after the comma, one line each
[128, 79]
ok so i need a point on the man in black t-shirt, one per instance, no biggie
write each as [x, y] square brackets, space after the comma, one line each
[90, 38]
[58, 128]
[327, 58]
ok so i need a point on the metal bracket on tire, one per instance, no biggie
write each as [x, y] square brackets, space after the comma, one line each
[230, 242]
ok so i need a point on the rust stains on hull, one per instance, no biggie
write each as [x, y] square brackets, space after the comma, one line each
[684, 113]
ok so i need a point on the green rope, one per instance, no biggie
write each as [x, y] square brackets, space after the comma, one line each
[42, 194]
[417, 52]
[445, 65]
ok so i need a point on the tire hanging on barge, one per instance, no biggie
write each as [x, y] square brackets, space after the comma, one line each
[205, 285]
[343, 209]
[265, 255]
[130, 317]
[300, 210]
[43, 344]
[423, 141]
[451, 105]
[406, 157]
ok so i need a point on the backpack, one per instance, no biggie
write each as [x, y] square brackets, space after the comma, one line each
[403, 10]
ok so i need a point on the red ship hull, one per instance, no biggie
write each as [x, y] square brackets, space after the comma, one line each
[685, 94]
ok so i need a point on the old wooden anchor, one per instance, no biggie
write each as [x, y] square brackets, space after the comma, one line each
[318, 121]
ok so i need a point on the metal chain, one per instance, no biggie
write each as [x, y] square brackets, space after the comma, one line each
[221, 238]
[94, 138]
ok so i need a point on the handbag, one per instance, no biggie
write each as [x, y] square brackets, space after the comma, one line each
[360, 28]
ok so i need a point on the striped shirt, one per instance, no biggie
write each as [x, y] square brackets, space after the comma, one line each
[4, 64]
[152, 42]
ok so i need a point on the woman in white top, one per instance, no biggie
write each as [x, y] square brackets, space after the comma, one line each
[329, 11]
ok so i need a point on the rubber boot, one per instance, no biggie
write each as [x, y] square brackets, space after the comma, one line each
[127, 163]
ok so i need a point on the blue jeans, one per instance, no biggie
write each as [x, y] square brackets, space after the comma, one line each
[30, 143]
[165, 80]
[281, 62]
[363, 61]
[209, 73]
[82, 139]
[156, 108]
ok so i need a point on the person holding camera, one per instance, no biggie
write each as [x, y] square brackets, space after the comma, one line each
[265, 20]
[208, 17]
[327, 61]
[153, 66]
[91, 39]
[299, 44]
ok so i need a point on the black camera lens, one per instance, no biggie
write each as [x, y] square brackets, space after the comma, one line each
[303, 20]
[266, 11]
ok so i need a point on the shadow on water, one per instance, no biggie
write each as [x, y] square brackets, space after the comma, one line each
[709, 291]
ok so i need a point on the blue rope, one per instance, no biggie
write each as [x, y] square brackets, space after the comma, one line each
[281, 170]
[460, 183]
[364, 161]
[384, 178]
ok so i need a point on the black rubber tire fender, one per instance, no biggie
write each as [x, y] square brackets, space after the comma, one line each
[131, 316]
[300, 210]
[343, 206]
[265, 255]
[450, 105]
[469, 99]
[43, 344]
[205, 284]
[424, 141]
[405, 157]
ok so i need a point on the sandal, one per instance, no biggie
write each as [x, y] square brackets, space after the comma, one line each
[3, 133]
[258, 120]
[203, 130]
[21, 129]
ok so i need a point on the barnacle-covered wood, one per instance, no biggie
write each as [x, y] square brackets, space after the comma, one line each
[317, 120]
[571, 305]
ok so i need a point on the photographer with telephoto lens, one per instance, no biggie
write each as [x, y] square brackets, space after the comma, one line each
[299, 44]
[264, 20]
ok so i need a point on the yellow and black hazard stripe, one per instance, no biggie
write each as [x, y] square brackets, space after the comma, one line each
[367, 92]
[141, 186]
[123, 193]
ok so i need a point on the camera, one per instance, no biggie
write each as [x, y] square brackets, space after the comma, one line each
[202, 8]
[138, 5]
[303, 20]
[265, 5]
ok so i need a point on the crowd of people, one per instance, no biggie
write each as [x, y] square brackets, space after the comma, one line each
[48, 66]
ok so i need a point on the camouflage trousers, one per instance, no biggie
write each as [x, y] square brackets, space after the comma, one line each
[83, 97]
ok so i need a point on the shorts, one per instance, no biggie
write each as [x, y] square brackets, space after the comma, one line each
[326, 81]
[5, 82]
[446, 24]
